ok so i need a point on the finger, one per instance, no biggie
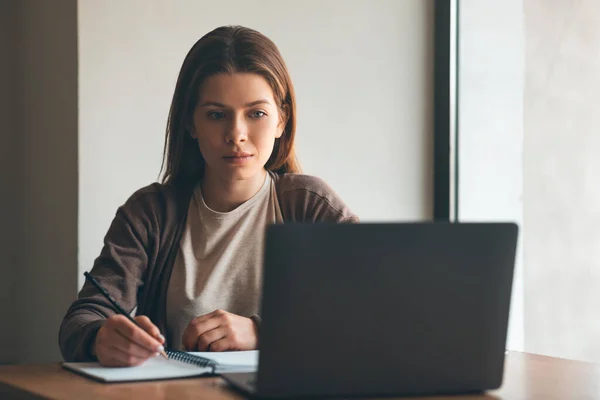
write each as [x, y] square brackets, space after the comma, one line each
[222, 344]
[118, 358]
[147, 325]
[124, 344]
[195, 329]
[136, 334]
[204, 342]
[214, 314]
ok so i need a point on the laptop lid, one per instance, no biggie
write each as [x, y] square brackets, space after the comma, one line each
[385, 309]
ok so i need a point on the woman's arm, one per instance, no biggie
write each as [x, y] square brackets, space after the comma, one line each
[119, 268]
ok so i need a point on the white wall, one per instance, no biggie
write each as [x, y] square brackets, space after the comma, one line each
[562, 170]
[362, 70]
[490, 85]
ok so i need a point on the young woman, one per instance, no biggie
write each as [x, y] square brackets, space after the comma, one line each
[188, 252]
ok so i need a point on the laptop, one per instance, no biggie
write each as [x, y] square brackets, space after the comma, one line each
[383, 309]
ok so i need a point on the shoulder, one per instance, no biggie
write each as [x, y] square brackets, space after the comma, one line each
[310, 198]
[154, 199]
[299, 182]
[150, 193]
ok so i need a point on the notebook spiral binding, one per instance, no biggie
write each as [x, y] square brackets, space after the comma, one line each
[191, 359]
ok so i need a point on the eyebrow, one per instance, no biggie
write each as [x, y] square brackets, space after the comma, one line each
[221, 105]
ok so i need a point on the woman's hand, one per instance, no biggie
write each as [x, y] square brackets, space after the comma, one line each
[220, 331]
[120, 343]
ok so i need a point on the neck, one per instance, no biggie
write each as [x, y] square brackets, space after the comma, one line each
[223, 196]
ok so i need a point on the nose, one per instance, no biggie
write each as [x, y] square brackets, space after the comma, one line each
[237, 131]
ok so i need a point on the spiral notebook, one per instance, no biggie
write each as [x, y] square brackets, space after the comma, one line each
[179, 365]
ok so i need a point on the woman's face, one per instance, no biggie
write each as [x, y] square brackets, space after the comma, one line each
[236, 123]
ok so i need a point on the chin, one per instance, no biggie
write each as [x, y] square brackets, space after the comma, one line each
[243, 174]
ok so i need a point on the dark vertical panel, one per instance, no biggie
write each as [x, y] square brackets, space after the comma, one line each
[47, 189]
[441, 128]
[8, 159]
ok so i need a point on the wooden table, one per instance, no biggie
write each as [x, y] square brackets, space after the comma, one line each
[527, 376]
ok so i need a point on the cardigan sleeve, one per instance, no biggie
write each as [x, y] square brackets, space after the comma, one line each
[120, 269]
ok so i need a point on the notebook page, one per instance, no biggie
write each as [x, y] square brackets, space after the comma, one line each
[153, 368]
[230, 361]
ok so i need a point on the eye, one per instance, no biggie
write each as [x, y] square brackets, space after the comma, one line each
[216, 114]
[257, 114]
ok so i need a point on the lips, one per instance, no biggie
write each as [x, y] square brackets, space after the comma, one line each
[238, 157]
[240, 154]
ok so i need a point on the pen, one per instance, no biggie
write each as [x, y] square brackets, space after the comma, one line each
[115, 304]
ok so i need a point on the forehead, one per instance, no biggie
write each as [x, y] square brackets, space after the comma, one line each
[235, 89]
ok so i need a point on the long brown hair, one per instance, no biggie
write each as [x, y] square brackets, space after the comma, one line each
[227, 49]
